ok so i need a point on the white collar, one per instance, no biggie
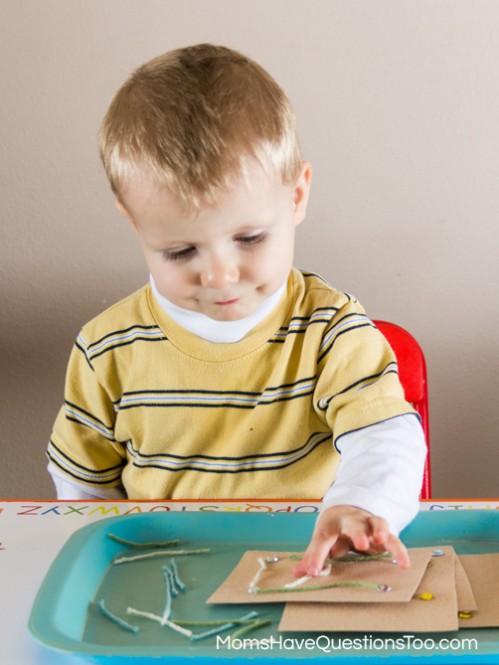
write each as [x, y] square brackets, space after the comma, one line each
[220, 332]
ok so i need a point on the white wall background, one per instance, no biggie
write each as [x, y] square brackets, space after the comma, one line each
[398, 107]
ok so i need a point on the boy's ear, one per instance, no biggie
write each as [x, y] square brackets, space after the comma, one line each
[121, 209]
[301, 192]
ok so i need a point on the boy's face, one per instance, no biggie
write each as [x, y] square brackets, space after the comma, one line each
[223, 260]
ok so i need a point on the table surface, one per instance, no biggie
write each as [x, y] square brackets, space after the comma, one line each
[33, 532]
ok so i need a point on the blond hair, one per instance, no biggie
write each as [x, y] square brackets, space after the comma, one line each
[188, 119]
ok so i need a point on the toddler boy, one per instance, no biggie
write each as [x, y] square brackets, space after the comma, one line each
[231, 374]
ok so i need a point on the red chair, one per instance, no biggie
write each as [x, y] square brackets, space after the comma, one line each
[413, 377]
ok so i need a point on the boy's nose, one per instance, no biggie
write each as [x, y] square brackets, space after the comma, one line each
[218, 273]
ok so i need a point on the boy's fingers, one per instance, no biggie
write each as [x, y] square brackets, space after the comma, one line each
[316, 553]
[359, 539]
[334, 536]
[398, 550]
[313, 560]
[383, 539]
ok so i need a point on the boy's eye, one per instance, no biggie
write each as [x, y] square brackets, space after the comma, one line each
[252, 240]
[178, 254]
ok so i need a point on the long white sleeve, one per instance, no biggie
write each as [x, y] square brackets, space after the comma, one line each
[381, 470]
[68, 490]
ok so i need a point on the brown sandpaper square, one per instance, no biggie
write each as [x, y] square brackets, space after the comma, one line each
[403, 582]
[466, 601]
[436, 615]
[482, 571]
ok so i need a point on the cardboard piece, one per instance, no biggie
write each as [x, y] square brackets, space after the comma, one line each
[466, 601]
[483, 573]
[436, 615]
[403, 582]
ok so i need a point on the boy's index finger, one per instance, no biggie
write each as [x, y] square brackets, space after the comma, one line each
[317, 552]
[339, 523]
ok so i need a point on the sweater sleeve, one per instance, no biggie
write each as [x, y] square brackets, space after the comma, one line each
[358, 384]
[375, 430]
[83, 447]
[381, 470]
[68, 489]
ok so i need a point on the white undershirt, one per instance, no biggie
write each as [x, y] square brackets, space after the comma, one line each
[371, 475]
[219, 332]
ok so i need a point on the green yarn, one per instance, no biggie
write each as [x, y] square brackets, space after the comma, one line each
[132, 543]
[316, 587]
[150, 555]
[349, 558]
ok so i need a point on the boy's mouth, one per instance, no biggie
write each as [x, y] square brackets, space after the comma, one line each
[227, 302]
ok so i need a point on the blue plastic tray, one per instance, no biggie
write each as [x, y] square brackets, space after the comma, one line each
[64, 617]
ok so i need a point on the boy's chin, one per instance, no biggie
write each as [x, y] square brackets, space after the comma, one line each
[230, 311]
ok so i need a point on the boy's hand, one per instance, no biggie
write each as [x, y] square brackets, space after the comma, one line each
[340, 529]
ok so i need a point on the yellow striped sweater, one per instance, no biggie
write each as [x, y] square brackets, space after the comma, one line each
[169, 415]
